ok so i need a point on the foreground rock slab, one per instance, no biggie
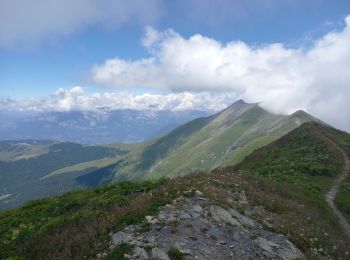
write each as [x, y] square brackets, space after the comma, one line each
[199, 228]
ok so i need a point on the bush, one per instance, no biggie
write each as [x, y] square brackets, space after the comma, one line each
[175, 254]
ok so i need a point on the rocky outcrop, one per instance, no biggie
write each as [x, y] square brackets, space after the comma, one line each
[198, 228]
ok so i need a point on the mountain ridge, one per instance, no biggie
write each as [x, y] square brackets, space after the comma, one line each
[222, 139]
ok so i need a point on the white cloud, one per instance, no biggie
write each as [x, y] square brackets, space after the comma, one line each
[30, 21]
[283, 79]
[76, 99]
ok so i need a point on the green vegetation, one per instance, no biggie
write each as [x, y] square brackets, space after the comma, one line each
[119, 252]
[220, 140]
[175, 254]
[305, 157]
[342, 199]
[24, 178]
[77, 224]
[292, 176]
[24, 149]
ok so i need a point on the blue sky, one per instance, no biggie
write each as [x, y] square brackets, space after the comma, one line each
[39, 66]
[180, 54]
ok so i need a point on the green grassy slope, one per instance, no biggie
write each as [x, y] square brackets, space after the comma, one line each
[293, 175]
[23, 179]
[76, 224]
[342, 199]
[205, 143]
[24, 149]
[305, 159]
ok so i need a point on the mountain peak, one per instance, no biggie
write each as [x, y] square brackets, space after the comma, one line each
[239, 102]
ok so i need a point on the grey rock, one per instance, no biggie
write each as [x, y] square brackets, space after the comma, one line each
[243, 219]
[199, 193]
[151, 220]
[159, 254]
[140, 253]
[121, 237]
[289, 252]
[138, 243]
[266, 245]
[221, 215]
[236, 236]
[184, 215]
[197, 209]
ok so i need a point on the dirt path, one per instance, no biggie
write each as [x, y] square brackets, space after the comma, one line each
[334, 189]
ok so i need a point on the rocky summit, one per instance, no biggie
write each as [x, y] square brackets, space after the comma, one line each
[197, 228]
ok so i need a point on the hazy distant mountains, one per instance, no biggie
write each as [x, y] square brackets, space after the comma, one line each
[92, 127]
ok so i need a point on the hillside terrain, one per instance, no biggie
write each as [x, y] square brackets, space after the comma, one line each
[205, 143]
[25, 164]
[271, 205]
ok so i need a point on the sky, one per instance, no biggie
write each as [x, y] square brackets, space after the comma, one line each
[181, 54]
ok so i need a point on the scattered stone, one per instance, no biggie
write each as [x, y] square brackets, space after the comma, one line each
[266, 245]
[244, 220]
[204, 230]
[185, 251]
[236, 236]
[140, 253]
[289, 252]
[199, 193]
[221, 215]
[159, 254]
[197, 208]
[184, 215]
[151, 220]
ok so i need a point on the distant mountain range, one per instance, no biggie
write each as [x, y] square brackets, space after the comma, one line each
[34, 169]
[101, 126]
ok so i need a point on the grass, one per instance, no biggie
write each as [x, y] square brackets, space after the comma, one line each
[292, 176]
[83, 166]
[206, 143]
[175, 254]
[77, 224]
[342, 199]
[119, 252]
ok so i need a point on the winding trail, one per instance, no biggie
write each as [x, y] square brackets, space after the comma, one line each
[334, 189]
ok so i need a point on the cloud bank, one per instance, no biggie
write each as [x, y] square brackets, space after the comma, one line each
[316, 79]
[30, 21]
[76, 99]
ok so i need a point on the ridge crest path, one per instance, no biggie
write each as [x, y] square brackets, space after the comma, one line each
[334, 189]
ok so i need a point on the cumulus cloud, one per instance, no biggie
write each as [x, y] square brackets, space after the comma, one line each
[76, 99]
[316, 79]
[29, 21]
